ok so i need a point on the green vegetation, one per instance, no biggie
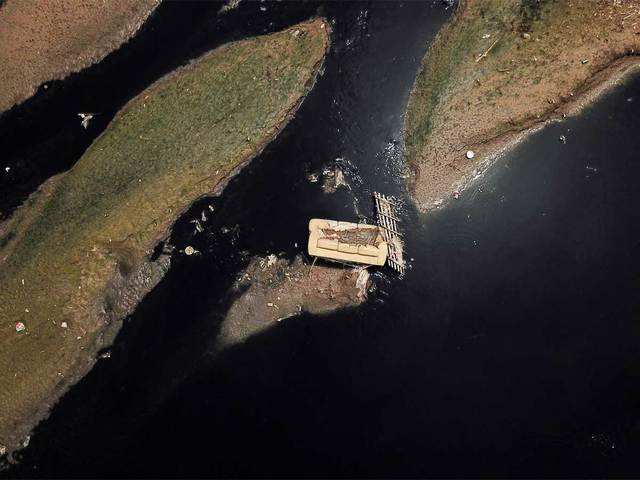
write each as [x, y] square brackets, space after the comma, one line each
[455, 47]
[63, 251]
[500, 67]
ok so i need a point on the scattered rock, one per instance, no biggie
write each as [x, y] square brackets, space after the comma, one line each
[3, 450]
[105, 355]
[333, 179]
[25, 442]
[312, 177]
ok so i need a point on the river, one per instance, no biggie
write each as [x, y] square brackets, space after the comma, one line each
[509, 348]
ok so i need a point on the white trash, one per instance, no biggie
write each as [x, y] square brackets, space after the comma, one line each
[470, 154]
[20, 327]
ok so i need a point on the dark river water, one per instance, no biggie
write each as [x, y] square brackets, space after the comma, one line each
[509, 348]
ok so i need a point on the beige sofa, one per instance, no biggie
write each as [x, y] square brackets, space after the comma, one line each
[343, 241]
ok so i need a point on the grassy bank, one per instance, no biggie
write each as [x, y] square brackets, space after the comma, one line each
[74, 258]
[501, 67]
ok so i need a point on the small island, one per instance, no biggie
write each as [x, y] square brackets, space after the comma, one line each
[77, 256]
[503, 69]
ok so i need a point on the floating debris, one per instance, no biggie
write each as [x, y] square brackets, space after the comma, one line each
[361, 283]
[312, 177]
[203, 216]
[189, 250]
[86, 118]
[20, 327]
[199, 228]
[563, 139]
[105, 355]
[6, 169]
[386, 216]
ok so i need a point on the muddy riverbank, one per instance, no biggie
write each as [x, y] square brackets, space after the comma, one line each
[509, 349]
[271, 290]
[75, 257]
[42, 40]
[501, 70]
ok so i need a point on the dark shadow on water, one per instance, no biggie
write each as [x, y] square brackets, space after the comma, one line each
[43, 136]
[510, 347]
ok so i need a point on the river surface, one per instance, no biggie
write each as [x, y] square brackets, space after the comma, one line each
[510, 347]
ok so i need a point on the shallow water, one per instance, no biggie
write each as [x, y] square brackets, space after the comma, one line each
[510, 347]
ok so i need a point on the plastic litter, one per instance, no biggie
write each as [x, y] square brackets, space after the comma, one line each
[64, 325]
[470, 154]
[20, 327]
[86, 118]
[189, 250]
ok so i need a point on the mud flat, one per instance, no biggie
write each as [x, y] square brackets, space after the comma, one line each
[499, 71]
[42, 40]
[76, 258]
[272, 289]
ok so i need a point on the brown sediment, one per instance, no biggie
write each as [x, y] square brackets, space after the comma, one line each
[273, 289]
[43, 40]
[91, 273]
[500, 71]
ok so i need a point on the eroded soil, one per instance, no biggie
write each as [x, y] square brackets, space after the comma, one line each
[271, 290]
[501, 69]
[42, 40]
